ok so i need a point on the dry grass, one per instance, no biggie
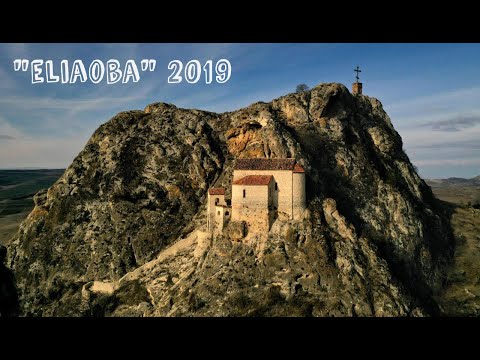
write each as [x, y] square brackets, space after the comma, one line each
[456, 194]
[9, 225]
[461, 296]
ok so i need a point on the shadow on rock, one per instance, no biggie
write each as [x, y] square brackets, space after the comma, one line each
[8, 292]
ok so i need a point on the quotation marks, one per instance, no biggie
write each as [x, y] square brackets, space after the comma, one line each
[113, 71]
[21, 64]
[148, 64]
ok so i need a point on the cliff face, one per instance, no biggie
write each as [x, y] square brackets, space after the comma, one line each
[373, 241]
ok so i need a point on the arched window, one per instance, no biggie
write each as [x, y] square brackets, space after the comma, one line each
[218, 213]
[216, 201]
[227, 213]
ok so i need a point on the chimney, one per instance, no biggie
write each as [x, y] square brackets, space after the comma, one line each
[357, 88]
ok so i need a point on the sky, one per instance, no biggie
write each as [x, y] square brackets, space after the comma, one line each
[430, 91]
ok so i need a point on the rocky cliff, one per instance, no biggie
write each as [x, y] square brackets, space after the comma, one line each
[120, 232]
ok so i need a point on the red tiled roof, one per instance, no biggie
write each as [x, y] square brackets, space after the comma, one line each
[216, 191]
[254, 180]
[298, 169]
[264, 164]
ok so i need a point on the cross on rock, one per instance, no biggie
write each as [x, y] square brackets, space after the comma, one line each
[357, 70]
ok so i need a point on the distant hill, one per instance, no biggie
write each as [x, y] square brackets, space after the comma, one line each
[17, 188]
[455, 190]
[475, 181]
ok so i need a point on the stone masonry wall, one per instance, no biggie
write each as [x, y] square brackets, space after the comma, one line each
[282, 198]
[299, 195]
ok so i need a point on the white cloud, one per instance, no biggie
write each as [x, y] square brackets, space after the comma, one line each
[6, 82]
[74, 105]
[423, 137]
[447, 162]
[17, 50]
[438, 100]
[420, 121]
[6, 137]
[9, 130]
[48, 153]
[411, 115]
[29, 151]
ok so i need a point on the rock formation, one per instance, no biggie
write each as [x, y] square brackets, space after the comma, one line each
[121, 232]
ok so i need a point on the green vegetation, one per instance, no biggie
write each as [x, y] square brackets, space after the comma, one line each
[301, 88]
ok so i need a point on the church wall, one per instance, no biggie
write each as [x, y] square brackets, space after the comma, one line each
[299, 195]
[282, 198]
[255, 197]
[211, 209]
[253, 209]
[222, 215]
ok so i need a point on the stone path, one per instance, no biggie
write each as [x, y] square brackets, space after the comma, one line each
[200, 238]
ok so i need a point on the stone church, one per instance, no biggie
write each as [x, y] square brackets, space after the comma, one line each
[262, 191]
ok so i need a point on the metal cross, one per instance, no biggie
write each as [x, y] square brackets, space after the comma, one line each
[357, 71]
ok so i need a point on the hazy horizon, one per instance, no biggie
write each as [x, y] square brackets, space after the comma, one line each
[42, 168]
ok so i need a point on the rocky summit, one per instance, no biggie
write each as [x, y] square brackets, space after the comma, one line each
[121, 233]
